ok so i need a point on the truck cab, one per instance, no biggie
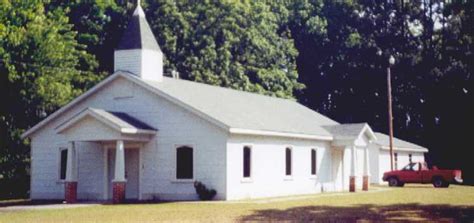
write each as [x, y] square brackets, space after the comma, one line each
[421, 173]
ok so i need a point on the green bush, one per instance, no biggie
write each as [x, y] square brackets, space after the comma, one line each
[203, 192]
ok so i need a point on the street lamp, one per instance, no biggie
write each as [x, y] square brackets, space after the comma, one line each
[391, 62]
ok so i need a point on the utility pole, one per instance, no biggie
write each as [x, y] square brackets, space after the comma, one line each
[391, 62]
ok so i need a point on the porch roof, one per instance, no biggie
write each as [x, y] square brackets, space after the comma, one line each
[350, 131]
[119, 121]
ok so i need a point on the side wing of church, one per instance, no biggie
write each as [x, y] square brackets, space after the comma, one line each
[141, 136]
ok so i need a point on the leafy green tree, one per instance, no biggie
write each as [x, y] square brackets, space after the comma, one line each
[42, 67]
[343, 51]
[233, 44]
[98, 25]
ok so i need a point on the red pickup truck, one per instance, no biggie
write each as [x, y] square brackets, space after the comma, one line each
[420, 173]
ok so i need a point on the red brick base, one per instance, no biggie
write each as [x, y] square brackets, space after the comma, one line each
[365, 183]
[70, 192]
[352, 184]
[118, 192]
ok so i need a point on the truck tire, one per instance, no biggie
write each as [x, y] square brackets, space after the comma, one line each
[393, 182]
[439, 182]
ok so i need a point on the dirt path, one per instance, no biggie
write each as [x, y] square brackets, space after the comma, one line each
[44, 207]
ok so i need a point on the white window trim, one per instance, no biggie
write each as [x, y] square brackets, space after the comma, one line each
[59, 180]
[247, 179]
[175, 179]
[183, 181]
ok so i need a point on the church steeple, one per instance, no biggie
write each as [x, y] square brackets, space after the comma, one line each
[138, 52]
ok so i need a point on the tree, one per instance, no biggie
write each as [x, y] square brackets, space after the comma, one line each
[228, 43]
[343, 51]
[98, 25]
[41, 68]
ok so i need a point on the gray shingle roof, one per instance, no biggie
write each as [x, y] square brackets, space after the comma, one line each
[123, 120]
[384, 140]
[138, 34]
[346, 130]
[244, 110]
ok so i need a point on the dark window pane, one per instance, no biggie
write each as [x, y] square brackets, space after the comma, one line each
[313, 162]
[247, 158]
[184, 163]
[396, 160]
[288, 161]
[63, 164]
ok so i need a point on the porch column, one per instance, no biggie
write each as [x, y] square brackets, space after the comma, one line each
[70, 186]
[366, 177]
[119, 180]
[352, 177]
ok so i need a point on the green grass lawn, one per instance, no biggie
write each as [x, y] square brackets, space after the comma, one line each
[412, 202]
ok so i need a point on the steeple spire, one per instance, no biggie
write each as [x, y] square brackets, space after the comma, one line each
[138, 10]
[138, 52]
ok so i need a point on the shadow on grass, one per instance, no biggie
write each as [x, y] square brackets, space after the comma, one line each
[27, 202]
[406, 212]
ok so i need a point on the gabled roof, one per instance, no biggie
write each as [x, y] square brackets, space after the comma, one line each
[241, 110]
[119, 121]
[138, 34]
[350, 131]
[399, 144]
[232, 110]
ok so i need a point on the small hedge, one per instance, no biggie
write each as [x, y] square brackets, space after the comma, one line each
[203, 192]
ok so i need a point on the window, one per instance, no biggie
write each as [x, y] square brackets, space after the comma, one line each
[395, 155]
[313, 162]
[184, 162]
[416, 167]
[409, 158]
[62, 163]
[288, 161]
[247, 161]
[410, 167]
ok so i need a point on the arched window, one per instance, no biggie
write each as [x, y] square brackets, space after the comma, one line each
[247, 161]
[313, 162]
[288, 161]
[184, 162]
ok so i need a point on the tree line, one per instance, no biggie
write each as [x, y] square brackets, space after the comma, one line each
[329, 55]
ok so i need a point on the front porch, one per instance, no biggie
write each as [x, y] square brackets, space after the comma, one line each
[120, 138]
[350, 156]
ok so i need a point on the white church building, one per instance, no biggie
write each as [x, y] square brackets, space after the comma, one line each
[140, 135]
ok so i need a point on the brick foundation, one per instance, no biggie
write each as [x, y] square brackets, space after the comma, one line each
[118, 192]
[70, 192]
[352, 184]
[365, 183]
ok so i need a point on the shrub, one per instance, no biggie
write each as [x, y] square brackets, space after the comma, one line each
[203, 192]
